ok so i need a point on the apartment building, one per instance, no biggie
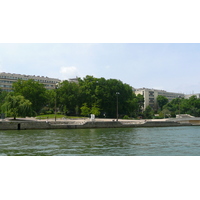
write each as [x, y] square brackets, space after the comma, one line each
[187, 96]
[7, 79]
[74, 80]
[150, 96]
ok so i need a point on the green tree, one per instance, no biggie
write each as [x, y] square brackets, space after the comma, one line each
[95, 110]
[68, 97]
[102, 92]
[51, 97]
[16, 106]
[148, 113]
[32, 90]
[134, 105]
[3, 95]
[140, 101]
[162, 100]
[164, 113]
[85, 110]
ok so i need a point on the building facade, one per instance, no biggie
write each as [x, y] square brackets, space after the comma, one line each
[7, 79]
[187, 96]
[150, 96]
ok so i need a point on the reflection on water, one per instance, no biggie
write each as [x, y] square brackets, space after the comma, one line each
[160, 141]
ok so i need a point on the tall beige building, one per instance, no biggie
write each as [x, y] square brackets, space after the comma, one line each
[150, 96]
[7, 79]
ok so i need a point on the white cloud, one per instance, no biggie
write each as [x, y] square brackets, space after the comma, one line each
[68, 72]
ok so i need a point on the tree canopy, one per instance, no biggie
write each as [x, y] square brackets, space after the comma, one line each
[16, 106]
[162, 100]
[90, 95]
[32, 90]
[184, 106]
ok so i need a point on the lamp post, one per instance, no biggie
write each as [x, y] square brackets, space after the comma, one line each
[117, 93]
[179, 104]
[56, 86]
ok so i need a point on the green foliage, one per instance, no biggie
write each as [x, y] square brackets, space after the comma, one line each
[102, 92]
[165, 113]
[148, 113]
[136, 104]
[49, 116]
[184, 106]
[32, 90]
[3, 95]
[95, 110]
[162, 100]
[126, 117]
[85, 110]
[51, 97]
[68, 97]
[140, 100]
[16, 106]
[89, 95]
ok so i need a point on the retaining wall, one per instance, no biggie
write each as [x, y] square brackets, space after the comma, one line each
[18, 125]
[25, 125]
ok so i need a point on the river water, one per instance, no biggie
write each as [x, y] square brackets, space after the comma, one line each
[158, 141]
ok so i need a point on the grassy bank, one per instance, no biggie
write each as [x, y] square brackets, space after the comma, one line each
[52, 116]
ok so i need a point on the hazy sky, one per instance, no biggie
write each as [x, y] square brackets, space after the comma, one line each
[172, 67]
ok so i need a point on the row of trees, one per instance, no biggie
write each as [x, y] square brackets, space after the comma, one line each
[189, 106]
[89, 96]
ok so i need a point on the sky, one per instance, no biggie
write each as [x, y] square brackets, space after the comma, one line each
[174, 67]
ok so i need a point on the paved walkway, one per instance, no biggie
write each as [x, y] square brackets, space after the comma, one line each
[83, 120]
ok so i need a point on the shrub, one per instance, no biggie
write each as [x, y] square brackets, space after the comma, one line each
[126, 117]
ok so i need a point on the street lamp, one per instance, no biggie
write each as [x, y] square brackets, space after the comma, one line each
[117, 93]
[56, 86]
[179, 104]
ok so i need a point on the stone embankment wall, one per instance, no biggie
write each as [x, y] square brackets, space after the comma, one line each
[164, 124]
[17, 125]
[25, 125]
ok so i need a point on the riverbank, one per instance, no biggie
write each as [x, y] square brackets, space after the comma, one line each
[32, 123]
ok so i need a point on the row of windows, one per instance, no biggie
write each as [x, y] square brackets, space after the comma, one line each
[10, 86]
[151, 93]
[1, 81]
[11, 77]
[151, 100]
[49, 86]
[6, 86]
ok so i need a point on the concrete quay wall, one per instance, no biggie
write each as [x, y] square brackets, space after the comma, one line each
[164, 124]
[27, 125]
[17, 125]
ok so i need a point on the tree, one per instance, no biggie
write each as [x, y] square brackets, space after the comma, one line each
[162, 100]
[134, 105]
[51, 96]
[140, 100]
[148, 113]
[85, 110]
[95, 110]
[102, 92]
[32, 90]
[68, 97]
[164, 113]
[16, 106]
[3, 95]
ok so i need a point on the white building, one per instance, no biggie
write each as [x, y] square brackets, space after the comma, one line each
[150, 96]
[187, 96]
[7, 79]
